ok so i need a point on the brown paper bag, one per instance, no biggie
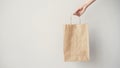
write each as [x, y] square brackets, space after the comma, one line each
[76, 42]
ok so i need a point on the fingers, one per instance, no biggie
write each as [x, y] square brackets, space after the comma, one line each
[77, 14]
[80, 11]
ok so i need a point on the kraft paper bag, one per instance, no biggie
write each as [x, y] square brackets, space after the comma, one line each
[76, 42]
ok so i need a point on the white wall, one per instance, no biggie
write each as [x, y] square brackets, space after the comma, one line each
[31, 33]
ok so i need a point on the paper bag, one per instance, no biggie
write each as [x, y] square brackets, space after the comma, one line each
[76, 42]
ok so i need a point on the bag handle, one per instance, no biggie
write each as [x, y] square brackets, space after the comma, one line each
[71, 18]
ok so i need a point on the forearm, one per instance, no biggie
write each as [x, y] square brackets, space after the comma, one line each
[89, 2]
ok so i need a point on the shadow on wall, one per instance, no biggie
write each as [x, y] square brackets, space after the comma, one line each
[94, 46]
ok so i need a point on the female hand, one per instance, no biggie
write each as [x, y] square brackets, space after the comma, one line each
[80, 11]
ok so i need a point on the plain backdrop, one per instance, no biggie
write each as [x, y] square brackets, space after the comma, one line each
[31, 33]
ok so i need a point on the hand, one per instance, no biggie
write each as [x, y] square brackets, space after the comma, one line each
[80, 11]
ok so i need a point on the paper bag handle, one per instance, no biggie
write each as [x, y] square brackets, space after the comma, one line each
[71, 17]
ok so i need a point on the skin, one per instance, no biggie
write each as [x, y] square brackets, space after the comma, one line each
[83, 8]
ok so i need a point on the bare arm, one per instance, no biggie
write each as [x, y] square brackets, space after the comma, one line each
[82, 8]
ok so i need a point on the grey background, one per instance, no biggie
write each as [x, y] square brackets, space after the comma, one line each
[31, 33]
